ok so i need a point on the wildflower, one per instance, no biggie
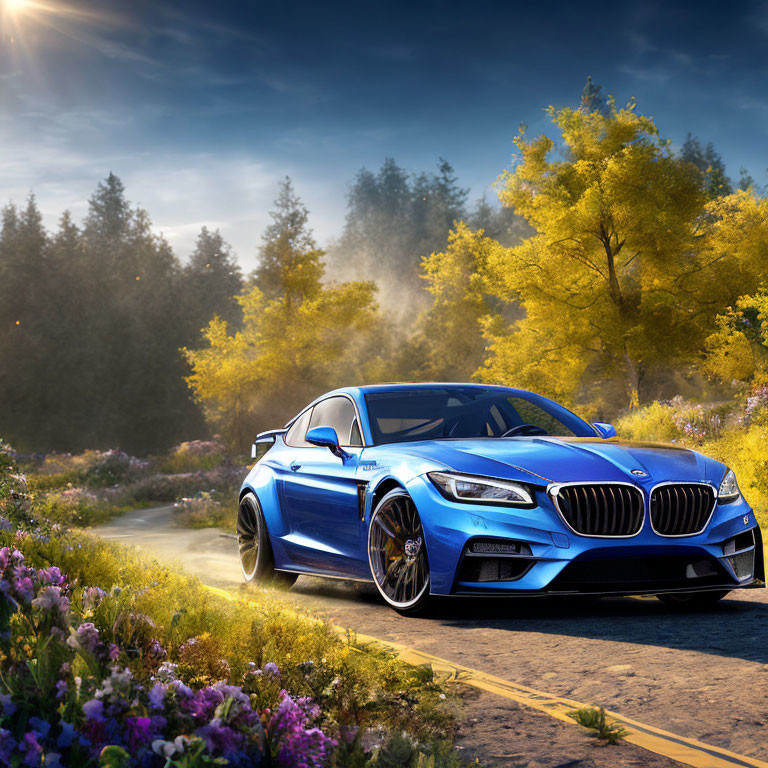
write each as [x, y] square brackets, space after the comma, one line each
[67, 735]
[92, 597]
[138, 729]
[169, 748]
[7, 746]
[24, 588]
[31, 747]
[52, 576]
[51, 599]
[114, 652]
[86, 637]
[61, 689]
[7, 704]
[270, 668]
[93, 709]
[157, 695]
[295, 744]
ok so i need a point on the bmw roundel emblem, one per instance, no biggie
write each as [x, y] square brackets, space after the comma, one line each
[639, 473]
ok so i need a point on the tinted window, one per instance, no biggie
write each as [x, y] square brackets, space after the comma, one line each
[336, 412]
[461, 412]
[295, 435]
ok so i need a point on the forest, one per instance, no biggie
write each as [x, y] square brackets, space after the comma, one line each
[616, 273]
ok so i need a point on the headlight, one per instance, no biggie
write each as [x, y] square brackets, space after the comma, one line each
[481, 489]
[729, 488]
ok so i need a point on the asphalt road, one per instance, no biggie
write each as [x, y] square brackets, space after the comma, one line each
[703, 675]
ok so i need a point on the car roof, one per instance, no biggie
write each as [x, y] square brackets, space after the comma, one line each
[399, 386]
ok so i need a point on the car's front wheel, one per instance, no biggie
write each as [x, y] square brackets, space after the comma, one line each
[256, 559]
[397, 553]
[692, 600]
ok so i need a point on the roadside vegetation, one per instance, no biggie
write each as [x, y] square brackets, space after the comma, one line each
[109, 658]
[596, 722]
[197, 477]
[734, 432]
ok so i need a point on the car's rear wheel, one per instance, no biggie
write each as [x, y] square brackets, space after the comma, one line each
[256, 559]
[692, 600]
[397, 553]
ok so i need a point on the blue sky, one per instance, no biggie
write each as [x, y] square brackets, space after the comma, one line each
[202, 107]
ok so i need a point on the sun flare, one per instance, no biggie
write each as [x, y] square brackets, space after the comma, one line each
[18, 6]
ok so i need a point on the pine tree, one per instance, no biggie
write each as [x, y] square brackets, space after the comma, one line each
[710, 166]
[289, 259]
[212, 280]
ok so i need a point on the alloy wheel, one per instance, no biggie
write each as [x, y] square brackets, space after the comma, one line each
[248, 538]
[397, 552]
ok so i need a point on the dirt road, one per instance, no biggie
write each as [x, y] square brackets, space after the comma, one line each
[702, 675]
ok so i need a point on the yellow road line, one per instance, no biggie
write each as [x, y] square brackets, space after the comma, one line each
[683, 750]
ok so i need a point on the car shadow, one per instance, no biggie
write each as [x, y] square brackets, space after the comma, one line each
[732, 627]
[735, 627]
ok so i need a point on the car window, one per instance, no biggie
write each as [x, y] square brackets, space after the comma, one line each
[339, 413]
[355, 437]
[295, 435]
[530, 413]
[429, 413]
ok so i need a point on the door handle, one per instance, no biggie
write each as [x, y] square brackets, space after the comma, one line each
[295, 467]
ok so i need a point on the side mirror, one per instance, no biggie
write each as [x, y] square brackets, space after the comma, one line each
[604, 430]
[325, 437]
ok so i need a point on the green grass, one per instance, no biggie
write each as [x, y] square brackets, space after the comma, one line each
[363, 689]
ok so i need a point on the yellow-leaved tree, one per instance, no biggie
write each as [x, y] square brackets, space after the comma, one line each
[627, 268]
[452, 329]
[299, 337]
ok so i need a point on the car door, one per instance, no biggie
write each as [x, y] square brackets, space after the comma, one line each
[319, 496]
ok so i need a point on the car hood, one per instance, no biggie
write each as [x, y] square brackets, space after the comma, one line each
[557, 459]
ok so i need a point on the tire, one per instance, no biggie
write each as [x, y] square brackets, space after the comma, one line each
[255, 551]
[397, 554]
[684, 601]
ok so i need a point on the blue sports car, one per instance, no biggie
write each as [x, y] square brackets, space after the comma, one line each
[462, 489]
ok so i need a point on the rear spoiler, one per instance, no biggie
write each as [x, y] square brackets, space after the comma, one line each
[266, 437]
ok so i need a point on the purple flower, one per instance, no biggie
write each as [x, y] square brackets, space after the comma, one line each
[157, 651]
[139, 732]
[93, 709]
[7, 745]
[61, 689]
[51, 598]
[114, 652]
[294, 743]
[31, 748]
[67, 735]
[52, 576]
[7, 704]
[86, 637]
[157, 695]
[270, 668]
[92, 597]
[24, 588]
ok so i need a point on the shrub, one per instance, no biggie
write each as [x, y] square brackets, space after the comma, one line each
[744, 450]
[195, 456]
[674, 421]
[111, 467]
[655, 422]
[205, 510]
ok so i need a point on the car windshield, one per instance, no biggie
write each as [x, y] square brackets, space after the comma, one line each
[428, 413]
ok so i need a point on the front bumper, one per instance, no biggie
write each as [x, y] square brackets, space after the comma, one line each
[556, 561]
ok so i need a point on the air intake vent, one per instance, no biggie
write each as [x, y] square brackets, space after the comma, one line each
[682, 509]
[606, 509]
